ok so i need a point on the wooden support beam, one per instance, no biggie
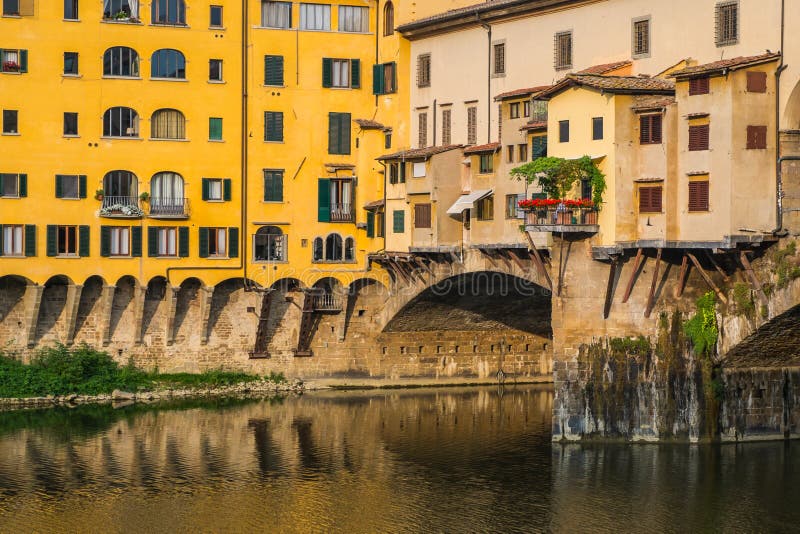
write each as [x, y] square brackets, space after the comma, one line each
[612, 275]
[501, 252]
[517, 261]
[651, 296]
[560, 265]
[537, 259]
[707, 278]
[717, 266]
[636, 264]
[752, 276]
[424, 265]
[683, 276]
[489, 256]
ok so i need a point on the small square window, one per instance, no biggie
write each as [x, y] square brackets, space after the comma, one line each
[641, 38]
[563, 131]
[9, 185]
[70, 9]
[13, 243]
[215, 70]
[526, 108]
[387, 140]
[167, 242]
[120, 241]
[70, 63]
[10, 121]
[563, 50]
[216, 17]
[70, 123]
[513, 110]
[486, 163]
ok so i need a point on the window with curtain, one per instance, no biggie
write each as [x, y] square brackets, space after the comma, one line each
[168, 63]
[353, 19]
[276, 14]
[120, 9]
[168, 124]
[315, 17]
[168, 12]
[166, 193]
[121, 61]
[120, 187]
[388, 19]
[120, 122]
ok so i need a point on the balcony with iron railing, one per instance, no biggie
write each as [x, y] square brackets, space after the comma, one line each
[342, 212]
[560, 216]
[169, 208]
[121, 207]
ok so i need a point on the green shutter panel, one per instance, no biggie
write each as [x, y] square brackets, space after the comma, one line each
[324, 204]
[59, 186]
[30, 240]
[205, 185]
[23, 185]
[152, 241]
[268, 186]
[327, 72]
[370, 224]
[399, 221]
[355, 73]
[378, 80]
[52, 236]
[273, 70]
[83, 241]
[136, 241]
[277, 187]
[105, 241]
[215, 128]
[278, 126]
[82, 186]
[1, 227]
[226, 189]
[333, 133]
[183, 241]
[233, 242]
[23, 61]
[344, 133]
[203, 242]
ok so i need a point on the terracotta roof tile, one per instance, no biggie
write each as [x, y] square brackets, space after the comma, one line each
[368, 124]
[482, 149]
[521, 92]
[461, 11]
[613, 84]
[535, 125]
[419, 153]
[605, 68]
[645, 102]
[718, 67]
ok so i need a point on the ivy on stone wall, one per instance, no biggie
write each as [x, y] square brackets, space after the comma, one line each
[702, 328]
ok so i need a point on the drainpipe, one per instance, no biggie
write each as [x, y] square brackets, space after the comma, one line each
[434, 122]
[377, 33]
[385, 207]
[488, 29]
[779, 230]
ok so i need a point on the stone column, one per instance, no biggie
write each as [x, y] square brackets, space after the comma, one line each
[33, 301]
[71, 305]
[106, 305]
[139, 293]
[205, 294]
[171, 295]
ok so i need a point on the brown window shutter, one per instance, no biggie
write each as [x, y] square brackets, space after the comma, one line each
[756, 82]
[422, 216]
[650, 199]
[698, 196]
[650, 129]
[698, 86]
[698, 137]
[756, 137]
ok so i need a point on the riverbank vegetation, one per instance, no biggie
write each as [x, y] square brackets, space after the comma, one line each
[81, 370]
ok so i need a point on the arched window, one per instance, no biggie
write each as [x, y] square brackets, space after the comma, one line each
[121, 9]
[388, 19]
[269, 244]
[120, 122]
[349, 249]
[169, 12]
[168, 63]
[318, 249]
[166, 194]
[121, 61]
[333, 248]
[120, 188]
[168, 124]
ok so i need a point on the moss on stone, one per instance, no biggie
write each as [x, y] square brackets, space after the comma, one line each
[743, 298]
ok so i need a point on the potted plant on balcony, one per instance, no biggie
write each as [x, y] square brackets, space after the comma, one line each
[144, 197]
[10, 66]
[99, 194]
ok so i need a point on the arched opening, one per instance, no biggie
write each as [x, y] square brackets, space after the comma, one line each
[166, 194]
[168, 12]
[120, 190]
[121, 61]
[89, 318]
[50, 325]
[318, 250]
[123, 318]
[333, 247]
[120, 121]
[188, 321]
[167, 124]
[168, 63]
[269, 244]
[349, 249]
[388, 19]
[155, 301]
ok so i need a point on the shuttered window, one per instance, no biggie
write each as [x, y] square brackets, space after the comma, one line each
[447, 125]
[215, 129]
[216, 189]
[13, 185]
[650, 129]
[650, 199]
[563, 131]
[756, 82]
[597, 128]
[422, 216]
[384, 79]
[756, 137]
[539, 147]
[370, 224]
[485, 209]
[398, 221]
[273, 126]
[698, 137]
[341, 73]
[423, 130]
[698, 195]
[472, 125]
[698, 86]
[70, 186]
[424, 70]
[563, 50]
[727, 19]
[13, 60]
[273, 71]
[499, 52]
[273, 185]
[338, 133]
[641, 37]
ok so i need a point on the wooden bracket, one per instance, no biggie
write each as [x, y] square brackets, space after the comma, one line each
[636, 264]
[752, 276]
[683, 276]
[537, 259]
[707, 278]
[612, 274]
[652, 295]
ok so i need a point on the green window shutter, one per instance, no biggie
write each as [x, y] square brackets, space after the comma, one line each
[23, 61]
[226, 189]
[324, 196]
[215, 128]
[339, 133]
[273, 126]
[273, 186]
[205, 185]
[344, 133]
[30, 240]
[1, 174]
[23, 185]
[370, 224]
[82, 186]
[105, 241]
[378, 85]
[233, 242]
[203, 242]
[273, 70]
[83, 241]
[183, 242]
[277, 187]
[59, 186]
[52, 237]
[327, 72]
[136, 241]
[333, 133]
[355, 73]
[399, 221]
[152, 241]
[1, 232]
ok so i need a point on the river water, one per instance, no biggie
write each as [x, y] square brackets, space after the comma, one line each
[438, 460]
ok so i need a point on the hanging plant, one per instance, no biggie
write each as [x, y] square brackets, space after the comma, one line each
[558, 176]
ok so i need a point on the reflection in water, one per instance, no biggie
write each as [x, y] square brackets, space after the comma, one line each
[455, 460]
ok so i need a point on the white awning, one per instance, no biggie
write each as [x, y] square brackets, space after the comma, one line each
[466, 202]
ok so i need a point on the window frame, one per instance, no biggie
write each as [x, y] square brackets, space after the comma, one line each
[73, 58]
[275, 244]
[424, 70]
[342, 16]
[168, 18]
[211, 128]
[11, 118]
[486, 163]
[388, 19]
[163, 234]
[636, 40]
[287, 6]
[67, 235]
[647, 135]
[514, 110]
[562, 49]
[326, 21]
[160, 64]
[277, 176]
[217, 235]
[211, 72]
[522, 152]
[484, 209]
[274, 127]
[697, 133]
[650, 207]
[721, 28]
[499, 62]
[175, 122]
[112, 16]
[118, 231]
[221, 11]
[133, 62]
[133, 123]
[598, 126]
[75, 182]
[423, 215]
[17, 241]
[68, 115]
[692, 192]
[563, 131]
[74, 8]
[212, 184]
[4, 177]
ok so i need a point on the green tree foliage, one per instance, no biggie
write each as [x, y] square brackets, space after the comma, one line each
[558, 176]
